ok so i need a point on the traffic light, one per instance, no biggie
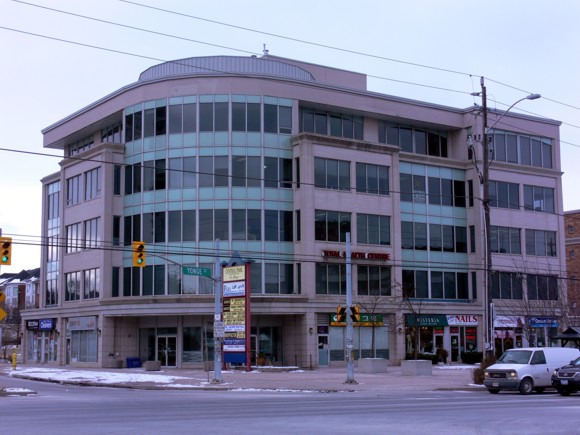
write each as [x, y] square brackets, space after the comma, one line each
[355, 313]
[341, 314]
[5, 251]
[138, 254]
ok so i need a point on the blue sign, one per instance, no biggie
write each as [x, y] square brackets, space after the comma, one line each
[46, 324]
[543, 322]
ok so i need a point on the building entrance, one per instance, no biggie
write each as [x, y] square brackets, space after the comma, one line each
[167, 350]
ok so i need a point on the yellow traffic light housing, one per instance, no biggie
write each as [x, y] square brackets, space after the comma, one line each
[5, 251]
[355, 313]
[138, 254]
[341, 314]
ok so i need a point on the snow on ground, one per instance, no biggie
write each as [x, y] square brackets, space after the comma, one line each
[54, 374]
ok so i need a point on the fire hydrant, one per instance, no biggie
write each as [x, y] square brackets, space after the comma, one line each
[14, 358]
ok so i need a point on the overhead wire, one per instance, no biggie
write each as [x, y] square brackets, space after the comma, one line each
[294, 39]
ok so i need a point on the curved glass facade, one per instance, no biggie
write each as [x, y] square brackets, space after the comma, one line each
[203, 168]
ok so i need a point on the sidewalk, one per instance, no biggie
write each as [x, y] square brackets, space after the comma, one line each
[262, 378]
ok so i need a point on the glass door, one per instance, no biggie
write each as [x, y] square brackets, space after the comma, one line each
[323, 356]
[166, 351]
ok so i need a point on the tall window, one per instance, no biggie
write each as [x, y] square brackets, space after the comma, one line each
[372, 178]
[92, 183]
[246, 224]
[74, 238]
[279, 278]
[213, 116]
[331, 174]
[246, 171]
[73, 190]
[277, 172]
[506, 285]
[374, 280]
[504, 195]
[51, 295]
[278, 225]
[541, 243]
[53, 201]
[413, 188]
[213, 224]
[213, 171]
[92, 282]
[505, 240]
[331, 226]
[73, 286]
[330, 279]
[542, 287]
[373, 229]
[246, 116]
[539, 198]
[277, 119]
[92, 238]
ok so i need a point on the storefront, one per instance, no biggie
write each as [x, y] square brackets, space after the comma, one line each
[82, 340]
[41, 341]
[454, 333]
[542, 331]
[370, 339]
[508, 333]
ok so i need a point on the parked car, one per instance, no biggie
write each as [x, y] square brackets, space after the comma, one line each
[566, 380]
[527, 369]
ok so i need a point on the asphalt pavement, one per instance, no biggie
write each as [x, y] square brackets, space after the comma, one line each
[328, 379]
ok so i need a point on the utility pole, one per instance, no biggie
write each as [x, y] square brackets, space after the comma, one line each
[487, 228]
[349, 331]
[217, 358]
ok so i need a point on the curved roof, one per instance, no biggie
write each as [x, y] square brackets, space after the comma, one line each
[225, 65]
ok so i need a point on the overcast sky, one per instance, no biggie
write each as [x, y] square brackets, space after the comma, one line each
[433, 51]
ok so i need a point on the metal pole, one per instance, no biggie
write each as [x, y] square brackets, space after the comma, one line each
[487, 223]
[349, 346]
[217, 359]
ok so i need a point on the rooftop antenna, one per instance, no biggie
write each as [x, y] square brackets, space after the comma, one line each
[265, 51]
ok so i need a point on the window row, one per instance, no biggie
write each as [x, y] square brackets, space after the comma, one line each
[82, 285]
[214, 171]
[83, 235]
[433, 237]
[506, 195]
[208, 116]
[371, 280]
[421, 284]
[439, 191]
[331, 124]
[510, 285]
[332, 226]
[413, 140]
[182, 226]
[523, 150]
[335, 174]
[159, 280]
[76, 191]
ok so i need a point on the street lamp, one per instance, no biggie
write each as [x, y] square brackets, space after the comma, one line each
[484, 177]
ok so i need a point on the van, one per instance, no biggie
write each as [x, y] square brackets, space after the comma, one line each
[527, 369]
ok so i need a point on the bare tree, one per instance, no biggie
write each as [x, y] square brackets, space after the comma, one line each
[523, 293]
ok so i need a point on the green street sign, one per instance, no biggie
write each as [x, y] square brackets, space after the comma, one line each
[197, 271]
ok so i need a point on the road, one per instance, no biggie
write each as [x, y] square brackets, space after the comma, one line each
[64, 409]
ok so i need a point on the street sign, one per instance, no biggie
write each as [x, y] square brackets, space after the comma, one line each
[219, 330]
[197, 271]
